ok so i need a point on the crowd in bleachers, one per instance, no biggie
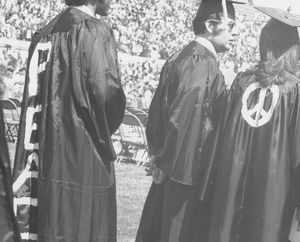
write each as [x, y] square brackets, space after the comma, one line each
[154, 29]
[19, 19]
[244, 53]
[140, 79]
[145, 28]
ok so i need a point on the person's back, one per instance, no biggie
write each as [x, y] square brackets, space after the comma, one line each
[258, 178]
[73, 101]
[179, 87]
[179, 123]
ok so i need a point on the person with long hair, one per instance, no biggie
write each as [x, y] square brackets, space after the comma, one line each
[64, 178]
[257, 186]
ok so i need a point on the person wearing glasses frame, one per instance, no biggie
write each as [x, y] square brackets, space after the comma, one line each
[180, 119]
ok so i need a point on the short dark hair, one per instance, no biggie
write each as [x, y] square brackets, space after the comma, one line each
[211, 9]
[199, 26]
[75, 2]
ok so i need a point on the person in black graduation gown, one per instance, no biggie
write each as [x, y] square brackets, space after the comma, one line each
[258, 177]
[179, 122]
[8, 225]
[64, 179]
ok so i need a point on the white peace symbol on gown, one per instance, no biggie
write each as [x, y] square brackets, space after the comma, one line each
[261, 116]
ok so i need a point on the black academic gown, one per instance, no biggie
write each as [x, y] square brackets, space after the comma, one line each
[179, 123]
[8, 225]
[258, 178]
[73, 101]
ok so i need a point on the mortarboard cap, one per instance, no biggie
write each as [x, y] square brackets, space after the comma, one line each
[281, 15]
[280, 32]
[213, 9]
[239, 1]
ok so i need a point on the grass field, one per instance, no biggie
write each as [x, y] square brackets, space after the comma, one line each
[132, 189]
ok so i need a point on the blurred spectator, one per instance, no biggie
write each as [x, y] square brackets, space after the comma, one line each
[142, 28]
[164, 54]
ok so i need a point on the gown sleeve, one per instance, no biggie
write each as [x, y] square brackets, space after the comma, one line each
[221, 111]
[97, 86]
[186, 101]
[294, 140]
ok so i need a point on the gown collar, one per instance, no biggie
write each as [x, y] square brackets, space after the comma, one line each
[86, 10]
[207, 44]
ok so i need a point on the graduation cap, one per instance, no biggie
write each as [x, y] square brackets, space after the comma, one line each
[215, 9]
[281, 15]
[280, 31]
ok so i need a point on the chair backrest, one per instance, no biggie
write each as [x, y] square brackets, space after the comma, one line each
[145, 121]
[142, 115]
[10, 109]
[16, 101]
[135, 110]
[130, 109]
[133, 121]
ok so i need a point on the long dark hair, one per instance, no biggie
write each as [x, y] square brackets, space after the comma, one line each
[279, 48]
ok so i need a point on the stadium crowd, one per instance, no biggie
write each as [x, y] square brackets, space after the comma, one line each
[152, 29]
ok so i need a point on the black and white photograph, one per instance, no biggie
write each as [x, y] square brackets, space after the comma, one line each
[150, 121]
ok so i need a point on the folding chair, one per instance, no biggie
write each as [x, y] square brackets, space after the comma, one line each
[118, 147]
[133, 139]
[142, 115]
[11, 119]
[18, 104]
[16, 101]
[130, 109]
